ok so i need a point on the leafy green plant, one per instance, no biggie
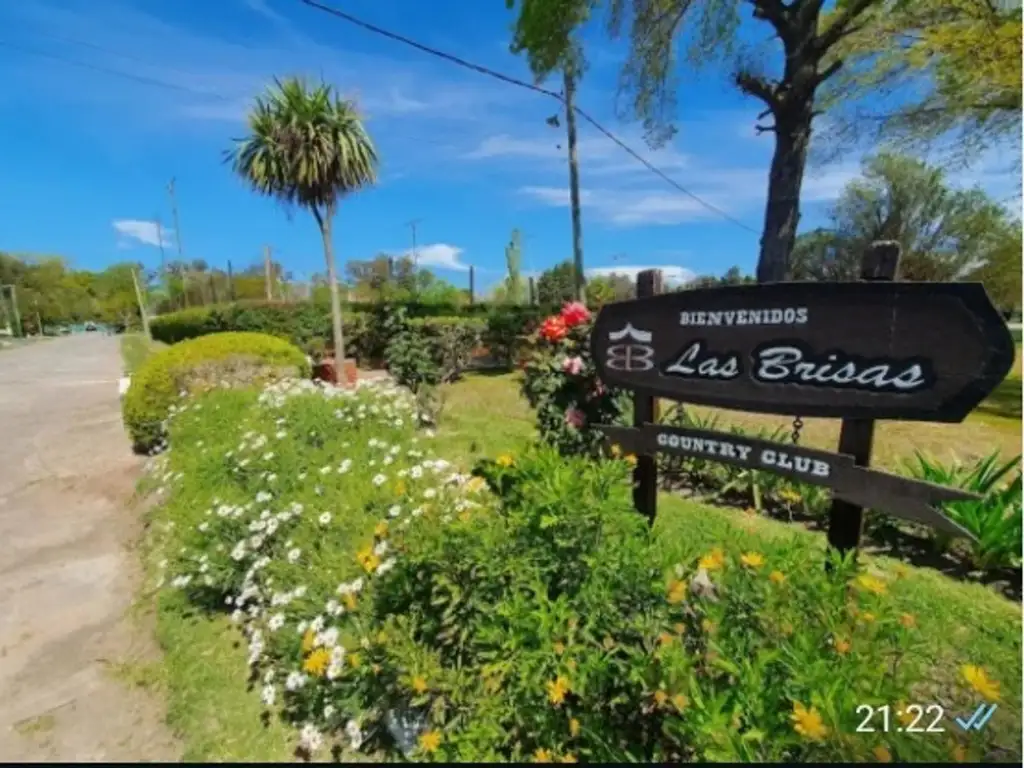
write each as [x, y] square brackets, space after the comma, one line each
[560, 383]
[995, 520]
[508, 330]
[221, 358]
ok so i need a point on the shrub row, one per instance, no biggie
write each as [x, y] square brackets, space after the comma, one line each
[394, 607]
[308, 324]
[219, 359]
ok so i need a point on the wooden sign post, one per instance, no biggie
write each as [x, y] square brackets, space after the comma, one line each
[857, 351]
[856, 436]
[645, 409]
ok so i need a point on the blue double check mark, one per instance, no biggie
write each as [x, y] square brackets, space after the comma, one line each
[978, 720]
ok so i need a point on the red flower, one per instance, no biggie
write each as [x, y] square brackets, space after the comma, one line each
[574, 313]
[553, 328]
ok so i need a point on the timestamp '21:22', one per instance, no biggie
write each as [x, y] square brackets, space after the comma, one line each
[918, 712]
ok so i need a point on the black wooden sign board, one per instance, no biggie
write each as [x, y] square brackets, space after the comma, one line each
[899, 496]
[873, 350]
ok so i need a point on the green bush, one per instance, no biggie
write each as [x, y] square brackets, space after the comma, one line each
[306, 324]
[232, 358]
[391, 605]
[995, 520]
[508, 330]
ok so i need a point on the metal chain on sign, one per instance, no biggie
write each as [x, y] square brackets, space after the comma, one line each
[798, 424]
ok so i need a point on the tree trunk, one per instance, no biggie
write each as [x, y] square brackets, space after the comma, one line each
[782, 211]
[332, 282]
[574, 185]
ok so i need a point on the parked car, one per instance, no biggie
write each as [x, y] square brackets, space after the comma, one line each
[90, 326]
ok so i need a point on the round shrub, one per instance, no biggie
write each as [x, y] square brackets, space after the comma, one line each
[235, 358]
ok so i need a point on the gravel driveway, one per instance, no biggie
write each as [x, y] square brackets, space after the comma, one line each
[67, 576]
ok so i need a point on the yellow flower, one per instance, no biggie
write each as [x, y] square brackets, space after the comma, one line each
[559, 648]
[676, 591]
[807, 722]
[557, 689]
[660, 697]
[464, 516]
[680, 702]
[419, 684]
[400, 487]
[505, 460]
[542, 756]
[752, 559]
[350, 601]
[608, 643]
[908, 620]
[882, 754]
[382, 637]
[842, 645]
[665, 638]
[708, 626]
[430, 741]
[308, 641]
[713, 560]
[872, 584]
[381, 530]
[574, 727]
[787, 628]
[790, 495]
[979, 680]
[868, 617]
[475, 484]
[680, 628]
[906, 718]
[959, 753]
[354, 659]
[317, 662]
[900, 571]
[631, 459]
[368, 559]
[777, 577]
[616, 450]
[568, 758]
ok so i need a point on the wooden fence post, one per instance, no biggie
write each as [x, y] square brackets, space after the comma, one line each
[472, 285]
[231, 282]
[533, 292]
[846, 520]
[645, 409]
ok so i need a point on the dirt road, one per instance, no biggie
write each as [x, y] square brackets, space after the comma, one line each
[67, 577]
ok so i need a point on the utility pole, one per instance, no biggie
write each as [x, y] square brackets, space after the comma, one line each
[574, 180]
[177, 238]
[12, 291]
[266, 273]
[142, 304]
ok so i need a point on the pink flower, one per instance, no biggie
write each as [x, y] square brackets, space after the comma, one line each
[574, 313]
[553, 329]
[572, 365]
[574, 417]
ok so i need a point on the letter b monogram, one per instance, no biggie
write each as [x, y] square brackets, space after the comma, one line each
[630, 357]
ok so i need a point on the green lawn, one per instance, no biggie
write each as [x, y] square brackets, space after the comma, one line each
[216, 712]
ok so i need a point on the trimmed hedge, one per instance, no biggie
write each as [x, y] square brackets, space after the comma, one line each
[308, 324]
[200, 363]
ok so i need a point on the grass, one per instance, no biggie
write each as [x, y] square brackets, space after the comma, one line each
[135, 349]
[217, 714]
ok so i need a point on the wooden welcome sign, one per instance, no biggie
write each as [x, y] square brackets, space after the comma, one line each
[858, 351]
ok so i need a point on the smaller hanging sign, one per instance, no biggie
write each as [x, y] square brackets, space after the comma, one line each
[870, 488]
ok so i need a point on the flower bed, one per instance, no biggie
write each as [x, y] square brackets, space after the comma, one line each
[394, 605]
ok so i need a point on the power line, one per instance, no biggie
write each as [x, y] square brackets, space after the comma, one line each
[529, 86]
[109, 71]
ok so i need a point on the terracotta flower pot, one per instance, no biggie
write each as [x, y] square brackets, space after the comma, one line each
[327, 370]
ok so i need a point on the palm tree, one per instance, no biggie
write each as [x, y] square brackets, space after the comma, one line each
[308, 147]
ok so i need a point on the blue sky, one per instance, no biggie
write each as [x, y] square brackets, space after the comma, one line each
[88, 154]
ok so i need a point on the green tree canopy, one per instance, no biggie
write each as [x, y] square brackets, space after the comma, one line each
[557, 285]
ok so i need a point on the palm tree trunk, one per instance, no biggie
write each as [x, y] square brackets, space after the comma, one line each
[332, 282]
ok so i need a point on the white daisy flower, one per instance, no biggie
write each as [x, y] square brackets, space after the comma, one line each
[325, 518]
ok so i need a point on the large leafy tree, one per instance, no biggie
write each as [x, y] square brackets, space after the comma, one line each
[308, 147]
[807, 39]
[945, 233]
[932, 74]
[557, 285]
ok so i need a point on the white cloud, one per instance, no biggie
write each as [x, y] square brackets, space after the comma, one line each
[671, 273]
[439, 256]
[134, 231]
[624, 207]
